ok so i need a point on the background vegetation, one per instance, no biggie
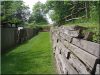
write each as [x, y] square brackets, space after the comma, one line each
[38, 15]
[13, 13]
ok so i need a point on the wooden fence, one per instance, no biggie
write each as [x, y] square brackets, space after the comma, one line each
[73, 54]
[10, 37]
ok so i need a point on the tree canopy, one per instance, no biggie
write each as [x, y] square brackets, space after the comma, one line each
[73, 9]
[38, 14]
[14, 12]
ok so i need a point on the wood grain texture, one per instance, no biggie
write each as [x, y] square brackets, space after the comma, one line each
[88, 46]
[81, 68]
[74, 55]
[86, 57]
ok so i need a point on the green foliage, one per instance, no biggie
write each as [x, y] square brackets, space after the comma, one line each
[92, 27]
[59, 10]
[30, 25]
[43, 26]
[94, 11]
[92, 23]
[38, 14]
[32, 57]
[14, 12]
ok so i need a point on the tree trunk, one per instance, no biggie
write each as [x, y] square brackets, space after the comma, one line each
[87, 9]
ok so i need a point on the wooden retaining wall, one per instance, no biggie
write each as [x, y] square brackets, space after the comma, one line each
[74, 55]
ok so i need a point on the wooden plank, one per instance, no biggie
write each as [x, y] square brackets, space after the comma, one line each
[54, 37]
[73, 60]
[88, 46]
[83, 53]
[87, 58]
[66, 37]
[57, 49]
[81, 68]
[69, 67]
[97, 69]
[58, 62]
[66, 67]
[72, 33]
[63, 63]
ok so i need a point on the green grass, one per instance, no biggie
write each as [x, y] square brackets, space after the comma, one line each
[32, 57]
[92, 27]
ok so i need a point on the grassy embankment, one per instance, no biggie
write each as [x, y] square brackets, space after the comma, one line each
[91, 25]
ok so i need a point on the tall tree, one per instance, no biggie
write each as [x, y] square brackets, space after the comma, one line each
[38, 14]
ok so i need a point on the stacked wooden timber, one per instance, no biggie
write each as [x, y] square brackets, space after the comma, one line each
[73, 54]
